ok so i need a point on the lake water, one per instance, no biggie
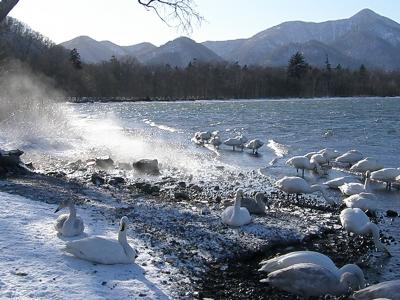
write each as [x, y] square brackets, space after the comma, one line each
[163, 130]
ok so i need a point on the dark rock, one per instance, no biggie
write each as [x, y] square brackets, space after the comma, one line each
[97, 179]
[116, 180]
[181, 196]
[104, 162]
[182, 184]
[196, 188]
[391, 213]
[148, 166]
[218, 199]
[147, 188]
[216, 188]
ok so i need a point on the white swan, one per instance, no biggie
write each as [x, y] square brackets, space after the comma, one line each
[363, 201]
[336, 182]
[103, 250]
[386, 290]
[356, 221]
[236, 215]
[303, 163]
[387, 175]
[297, 185]
[254, 145]
[68, 224]
[349, 189]
[311, 280]
[350, 157]
[298, 257]
[366, 164]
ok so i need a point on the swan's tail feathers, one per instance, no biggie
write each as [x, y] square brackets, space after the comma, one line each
[265, 280]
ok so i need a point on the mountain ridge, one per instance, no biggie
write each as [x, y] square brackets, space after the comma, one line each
[334, 39]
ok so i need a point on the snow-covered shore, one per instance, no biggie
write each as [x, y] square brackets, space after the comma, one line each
[33, 265]
[176, 240]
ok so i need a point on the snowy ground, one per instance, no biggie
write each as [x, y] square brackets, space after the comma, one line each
[33, 265]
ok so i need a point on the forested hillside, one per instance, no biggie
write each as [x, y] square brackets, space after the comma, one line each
[197, 80]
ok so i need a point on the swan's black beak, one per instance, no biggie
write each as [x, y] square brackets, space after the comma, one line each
[57, 210]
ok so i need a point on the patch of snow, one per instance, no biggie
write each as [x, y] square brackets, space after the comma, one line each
[33, 265]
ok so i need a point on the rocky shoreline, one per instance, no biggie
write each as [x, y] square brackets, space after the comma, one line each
[178, 218]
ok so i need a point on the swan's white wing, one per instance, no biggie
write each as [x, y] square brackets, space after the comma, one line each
[98, 249]
[305, 279]
[60, 222]
[298, 257]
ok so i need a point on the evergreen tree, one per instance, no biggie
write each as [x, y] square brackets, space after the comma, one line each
[298, 66]
[75, 58]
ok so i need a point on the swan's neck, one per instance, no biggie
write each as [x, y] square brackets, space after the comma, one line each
[72, 211]
[354, 269]
[375, 235]
[366, 184]
[236, 206]
[125, 245]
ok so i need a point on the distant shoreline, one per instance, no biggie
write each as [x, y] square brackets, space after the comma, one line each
[137, 99]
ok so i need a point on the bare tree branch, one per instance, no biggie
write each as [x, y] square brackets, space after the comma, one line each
[5, 7]
[175, 13]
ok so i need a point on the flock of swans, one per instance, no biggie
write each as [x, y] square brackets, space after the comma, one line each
[214, 139]
[304, 273]
[309, 273]
[95, 249]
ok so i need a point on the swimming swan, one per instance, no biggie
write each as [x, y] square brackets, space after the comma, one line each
[298, 257]
[68, 224]
[104, 250]
[236, 215]
[297, 185]
[303, 163]
[311, 280]
[356, 221]
[386, 289]
[351, 188]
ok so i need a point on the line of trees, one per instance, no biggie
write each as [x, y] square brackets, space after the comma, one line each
[198, 80]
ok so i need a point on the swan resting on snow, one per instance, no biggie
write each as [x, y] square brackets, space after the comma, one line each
[297, 185]
[68, 224]
[386, 289]
[311, 280]
[299, 257]
[387, 175]
[104, 250]
[356, 221]
[350, 157]
[236, 215]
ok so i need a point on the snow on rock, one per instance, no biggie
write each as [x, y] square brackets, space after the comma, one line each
[33, 265]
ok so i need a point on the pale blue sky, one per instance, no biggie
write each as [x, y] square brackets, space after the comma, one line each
[126, 22]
